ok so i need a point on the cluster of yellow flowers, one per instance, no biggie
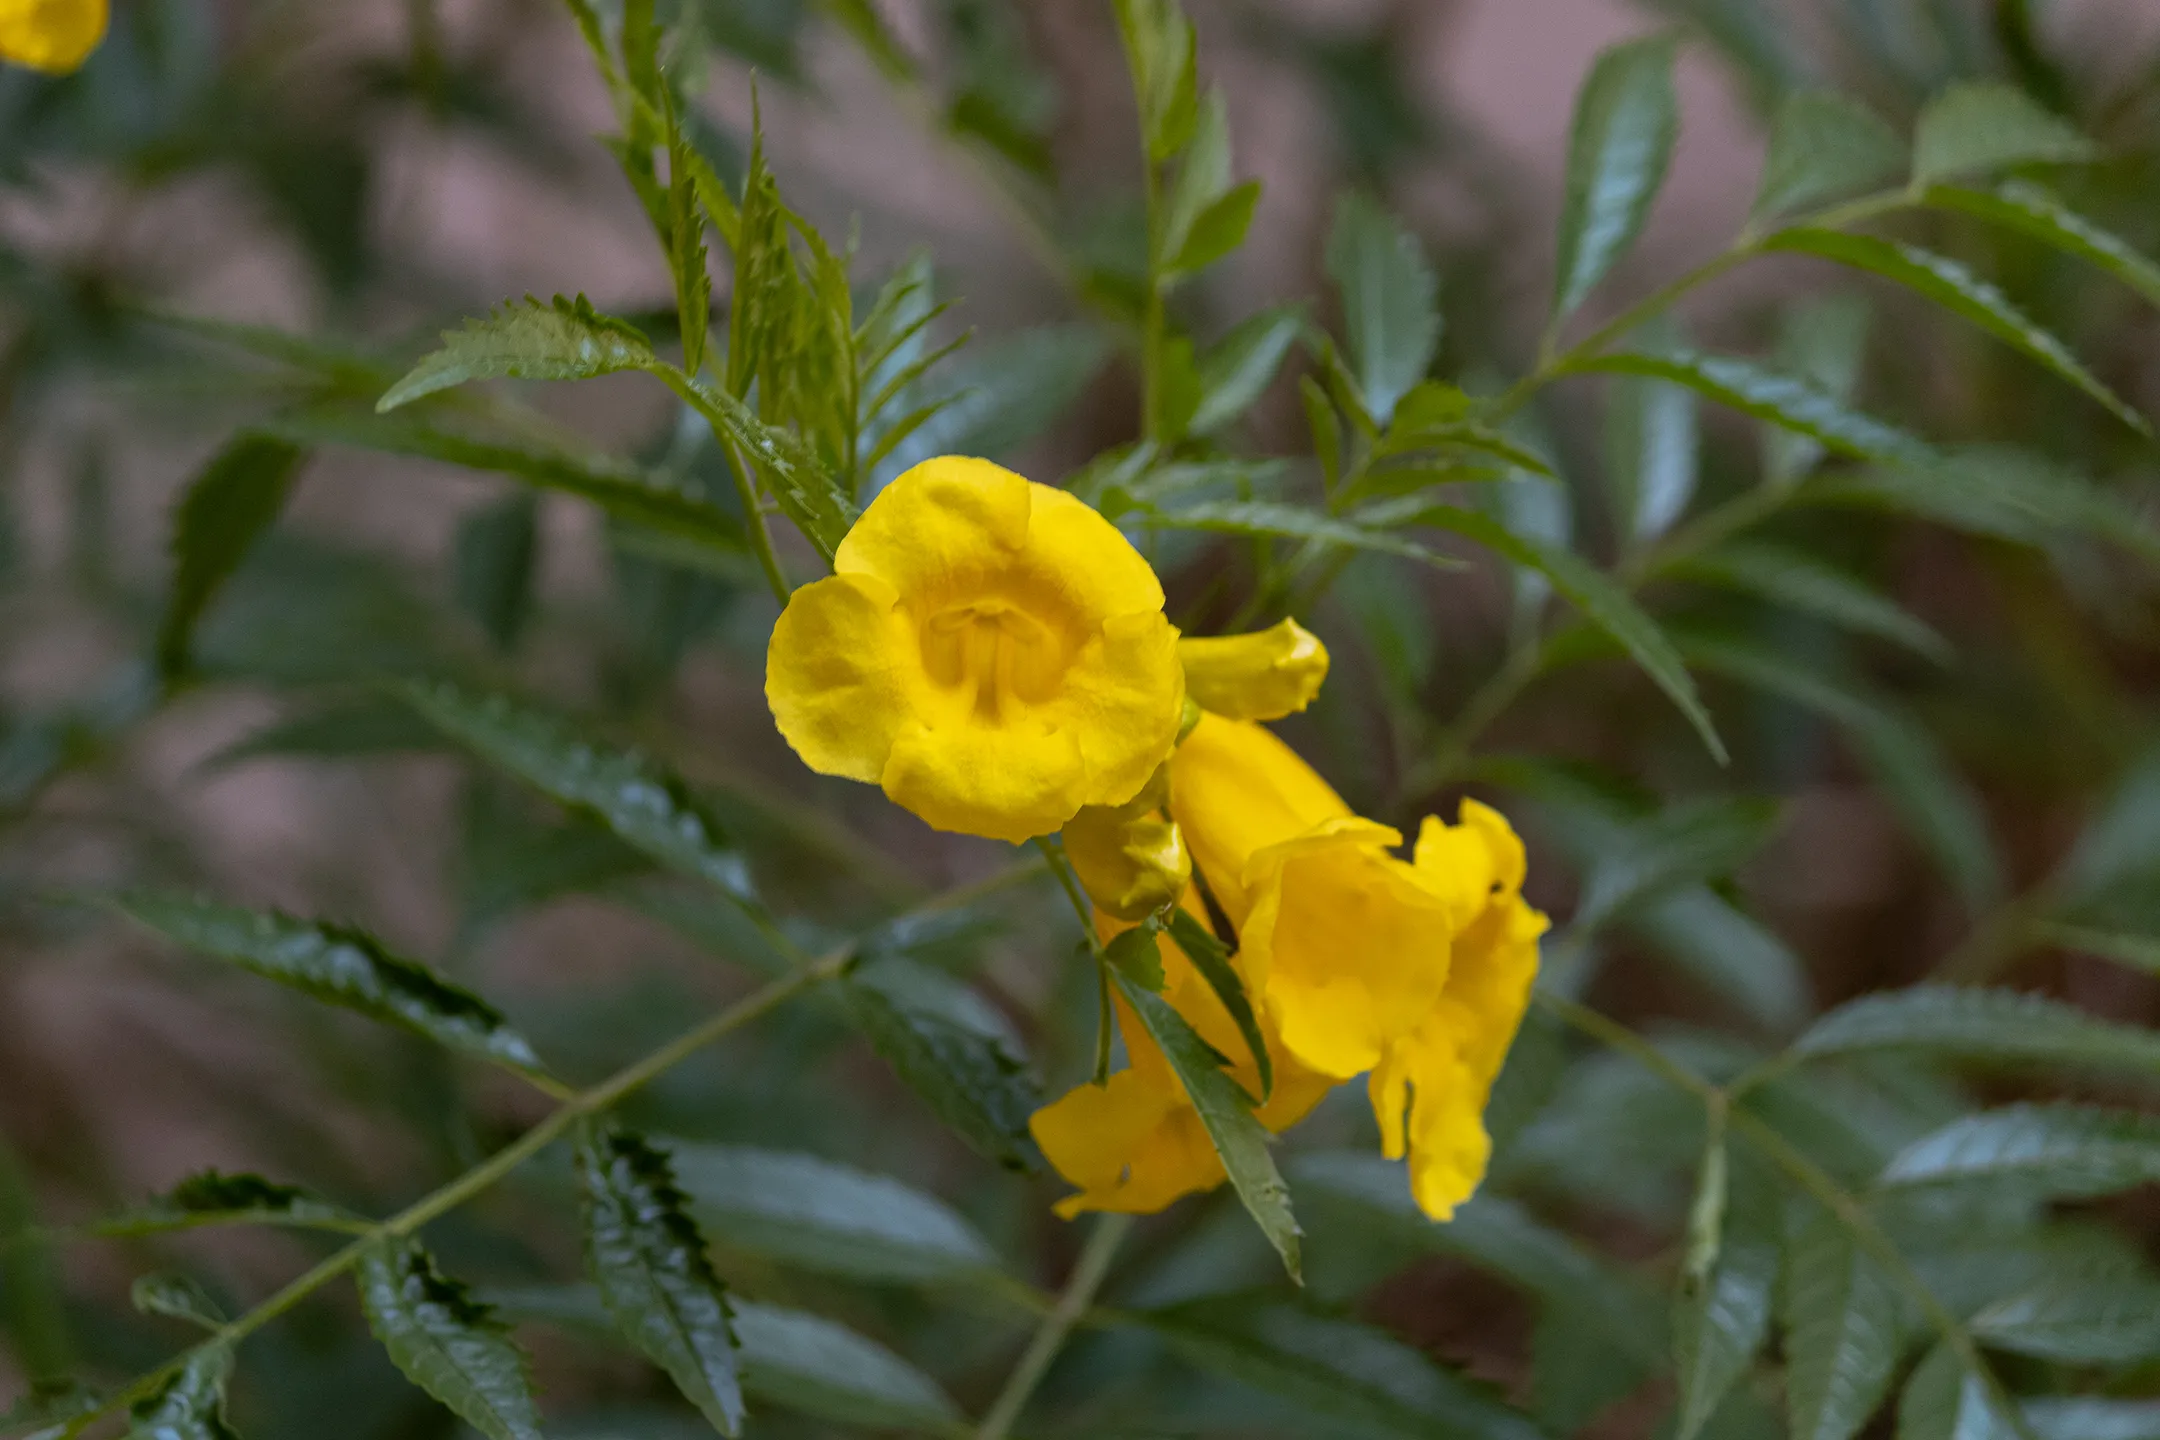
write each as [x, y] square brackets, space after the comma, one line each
[51, 35]
[995, 655]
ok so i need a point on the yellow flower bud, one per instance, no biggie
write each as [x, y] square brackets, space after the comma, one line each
[1130, 858]
[991, 651]
[1261, 676]
[50, 35]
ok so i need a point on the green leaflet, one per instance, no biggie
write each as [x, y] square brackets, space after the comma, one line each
[1227, 1114]
[1626, 120]
[1945, 1401]
[211, 1198]
[1962, 293]
[2064, 1150]
[176, 1297]
[647, 1257]
[1722, 1317]
[640, 801]
[1987, 125]
[1206, 217]
[826, 1216]
[1212, 959]
[1280, 520]
[966, 1070]
[2078, 1319]
[1797, 580]
[1997, 1025]
[792, 472]
[1336, 1371]
[1784, 400]
[1683, 845]
[1841, 1331]
[231, 500]
[2029, 209]
[1653, 440]
[1601, 600]
[492, 565]
[340, 965]
[1390, 302]
[189, 1406]
[446, 1342]
[1825, 146]
[1239, 367]
[818, 1367]
[1161, 52]
[564, 340]
[1730, 953]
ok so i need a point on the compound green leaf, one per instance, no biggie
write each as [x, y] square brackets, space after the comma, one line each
[1626, 120]
[1987, 125]
[447, 1343]
[564, 340]
[340, 965]
[647, 1256]
[1390, 303]
[826, 1216]
[1226, 1111]
[1964, 294]
[643, 803]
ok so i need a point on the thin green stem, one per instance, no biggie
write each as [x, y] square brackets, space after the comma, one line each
[753, 503]
[1088, 1274]
[1062, 868]
[481, 1177]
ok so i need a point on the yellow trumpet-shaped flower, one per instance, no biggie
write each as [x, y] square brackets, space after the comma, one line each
[1136, 1143]
[991, 651]
[50, 35]
[1429, 1090]
[1262, 676]
[1345, 945]
[1130, 858]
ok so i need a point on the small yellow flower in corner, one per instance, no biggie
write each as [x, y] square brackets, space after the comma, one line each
[1261, 676]
[51, 35]
[990, 651]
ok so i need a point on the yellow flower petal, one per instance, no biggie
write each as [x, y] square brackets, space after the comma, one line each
[1262, 676]
[991, 651]
[50, 35]
[1236, 789]
[1131, 858]
[1133, 1145]
[1348, 945]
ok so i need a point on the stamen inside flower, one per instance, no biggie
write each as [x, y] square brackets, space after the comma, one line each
[993, 657]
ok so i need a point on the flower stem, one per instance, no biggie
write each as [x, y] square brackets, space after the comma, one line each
[1072, 1304]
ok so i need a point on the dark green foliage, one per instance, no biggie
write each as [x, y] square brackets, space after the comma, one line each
[446, 1342]
[231, 501]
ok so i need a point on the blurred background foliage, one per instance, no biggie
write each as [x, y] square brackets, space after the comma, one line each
[241, 223]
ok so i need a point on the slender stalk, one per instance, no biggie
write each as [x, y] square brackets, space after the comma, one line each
[483, 1176]
[1088, 1274]
[753, 503]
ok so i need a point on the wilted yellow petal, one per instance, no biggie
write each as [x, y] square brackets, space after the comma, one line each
[1261, 676]
[50, 35]
[1130, 858]
[991, 651]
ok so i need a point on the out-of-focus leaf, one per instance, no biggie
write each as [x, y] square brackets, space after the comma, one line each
[1161, 51]
[231, 500]
[1995, 490]
[1601, 600]
[819, 1367]
[1945, 1401]
[1212, 959]
[1824, 342]
[2092, 1418]
[1964, 294]
[1798, 581]
[1784, 400]
[2078, 1320]
[1338, 1372]
[1003, 393]
[565, 340]
[1577, 1370]
[1241, 364]
[1735, 957]
[189, 1406]
[1825, 146]
[648, 1259]
[1997, 1025]
[2121, 840]
[1651, 439]
[2027, 208]
[1722, 1317]
[1227, 1113]
[1986, 125]
[1275, 519]
[341, 965]
[211, 1198]
[624, 491]
[33, 1297]
[177, 1297]
[2066, 1150]
[1684, 845]
[1626, 119]
[1841, 1331]
[827, 1216]
[2138, 952]
[1390, 302]
[446, 1342]
[1218, 229]
[642, 803]
[807, 491]
[966, 1070]
[492, 566]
